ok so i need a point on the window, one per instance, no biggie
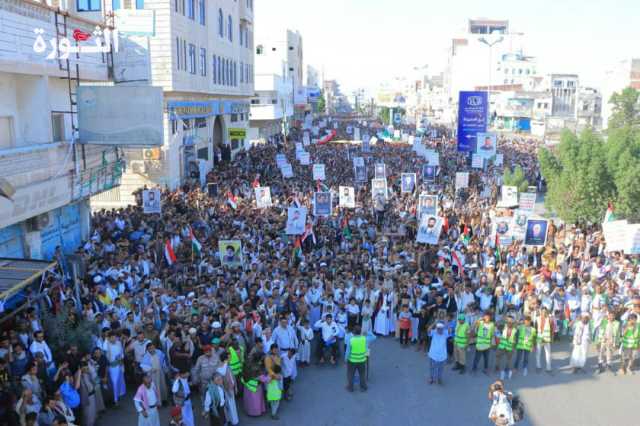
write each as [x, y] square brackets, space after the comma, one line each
[57, 127]
[259, 49]
[201, 122]
[192, 58]
[203, 61]
[191, 6]
[184, 55]
[230, 28]
[174, 127]
[213, 70]
[178, 54]
[203, 153]
[180, 6]
[203, 12]
[220, 23]
[241, 72]
[234, 81]
[220, 70]
[246, 71]
[235, 73]
[241, 35]
[234, 118]
[6, 132]
[89, 5]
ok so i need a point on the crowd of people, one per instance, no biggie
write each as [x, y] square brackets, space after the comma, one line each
[170, 319]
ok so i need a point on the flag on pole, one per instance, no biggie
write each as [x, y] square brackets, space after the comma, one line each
[196, 247]
[169, 254]
[232, 200]
[297, 248]
[456, 255]
[308, 231]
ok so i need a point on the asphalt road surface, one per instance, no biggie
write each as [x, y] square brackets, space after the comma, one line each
[400, 395]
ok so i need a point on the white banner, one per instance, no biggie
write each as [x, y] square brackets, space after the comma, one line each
[527, 201]
[616, 235]
[287, 170]
[509, 196]
[318, 172]
[477, 162]
[263, 197]
[462, 180]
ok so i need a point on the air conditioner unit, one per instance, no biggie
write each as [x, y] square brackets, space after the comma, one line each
[151, 154]
[138, 167]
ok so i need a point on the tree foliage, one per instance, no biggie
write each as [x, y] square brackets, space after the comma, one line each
[584, 173]
[516, 178]
[64, 330]
[322, 103]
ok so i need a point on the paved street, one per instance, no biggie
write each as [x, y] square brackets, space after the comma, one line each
[399, 394]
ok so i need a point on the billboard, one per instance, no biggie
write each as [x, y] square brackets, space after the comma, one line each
[472, 119]
[120, 115]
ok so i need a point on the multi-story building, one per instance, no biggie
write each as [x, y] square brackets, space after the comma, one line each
[279, 87]
[564, 94]
[201, 53]
[313, 84]
[589, 109]
[45, 177]
[624, 74]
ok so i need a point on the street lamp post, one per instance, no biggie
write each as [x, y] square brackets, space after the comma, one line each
[490, 44]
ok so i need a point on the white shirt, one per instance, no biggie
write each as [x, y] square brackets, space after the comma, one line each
[151, 399]
[41, 347]
[208, 401]
[329, 331]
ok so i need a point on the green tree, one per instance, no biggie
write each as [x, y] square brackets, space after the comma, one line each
[64, 330]
[516, 178]
[384, 115]
[626, 109]
[578, 179]
[322, 103]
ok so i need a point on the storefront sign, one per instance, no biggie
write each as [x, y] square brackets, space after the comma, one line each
[237, 133]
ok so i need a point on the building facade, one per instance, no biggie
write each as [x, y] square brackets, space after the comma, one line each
[624, 74]
[200, 52]
[46, 178]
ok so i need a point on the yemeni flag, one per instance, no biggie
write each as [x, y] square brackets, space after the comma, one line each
[196, 247]
[169, 254]
[232, 200]
[609, 216]
[346, 231]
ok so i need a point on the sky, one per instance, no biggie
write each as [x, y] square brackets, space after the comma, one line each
[363, 43]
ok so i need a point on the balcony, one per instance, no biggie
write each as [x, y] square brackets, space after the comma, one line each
[267, 112]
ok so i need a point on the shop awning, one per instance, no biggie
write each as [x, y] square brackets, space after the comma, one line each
[16, 274]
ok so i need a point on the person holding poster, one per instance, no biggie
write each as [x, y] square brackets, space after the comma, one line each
[230, 252]
[536, 233]
[296, 220]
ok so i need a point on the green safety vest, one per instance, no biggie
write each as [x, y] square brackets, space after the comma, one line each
[506, 343]
[631, 338]
[526, 336]
[234, 361]
[251, 385]
[484, 336]
[603, 329]
[461, 338]
[545, 336]
[274, 393]
[358, 349]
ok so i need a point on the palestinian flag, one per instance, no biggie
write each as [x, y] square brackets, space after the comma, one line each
[609, 216]
[196, 247]
[169, 254]
[232, 200]
[466, 235]
[346, 231]
[297, 248]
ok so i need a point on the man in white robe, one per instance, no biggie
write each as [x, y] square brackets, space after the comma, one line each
[581, 339]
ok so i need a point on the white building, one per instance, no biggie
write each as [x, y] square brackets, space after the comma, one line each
[52, 177]
[280, 93]
[201, 53]
[624, 74]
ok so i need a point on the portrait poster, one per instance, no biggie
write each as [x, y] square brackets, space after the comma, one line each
[306, 139]
[380, 171]
[378, 187]
[281, 160]
[151, 202]
[427, 205]
[428, 173]
[296, 220]
[360, 173]
[322, 204]
[429, 230]
[509, 196]
[536, 233]
[230, 252]
[318, 172]
[347, 197]
[486, 144]
[407, 182]
[501, 229]
[263, 197]
[519, 224]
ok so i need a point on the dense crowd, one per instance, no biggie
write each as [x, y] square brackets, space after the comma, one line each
[170, 320]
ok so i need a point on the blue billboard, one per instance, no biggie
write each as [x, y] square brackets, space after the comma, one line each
[472, 119]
